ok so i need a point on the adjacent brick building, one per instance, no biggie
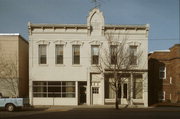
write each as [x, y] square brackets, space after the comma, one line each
[164, 75]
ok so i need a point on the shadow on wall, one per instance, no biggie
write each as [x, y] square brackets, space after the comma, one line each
[155, 88]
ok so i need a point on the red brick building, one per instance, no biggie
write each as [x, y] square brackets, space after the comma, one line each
[164, 75]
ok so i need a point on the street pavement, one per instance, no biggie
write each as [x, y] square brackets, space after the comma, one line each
[93, 112]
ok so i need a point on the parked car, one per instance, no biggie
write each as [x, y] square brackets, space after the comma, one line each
[10, 104]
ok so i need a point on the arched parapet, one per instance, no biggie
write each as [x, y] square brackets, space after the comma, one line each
[95, 22]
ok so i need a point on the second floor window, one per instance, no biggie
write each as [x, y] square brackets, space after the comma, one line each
[162, 72]
[42, 54]
[113, 53]
[133, 55]
[76, 54]
[59, 54]
[95, 54]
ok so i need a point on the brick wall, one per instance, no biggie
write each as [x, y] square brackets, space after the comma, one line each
[171, 84]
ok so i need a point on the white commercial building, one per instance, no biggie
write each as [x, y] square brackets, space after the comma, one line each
[62, 58]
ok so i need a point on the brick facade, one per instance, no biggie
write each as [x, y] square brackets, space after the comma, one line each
[165, 89]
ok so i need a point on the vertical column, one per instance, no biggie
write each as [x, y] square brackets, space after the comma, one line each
[131, 91]
[30, 92]
[122, 92]
[145, 89]
[88, 89]
[102, 88]
[77, 95]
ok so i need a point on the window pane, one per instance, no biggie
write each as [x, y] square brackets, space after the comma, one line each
[95, 90]
[95, 54]
[95, 50]
[95, 59]
[39, 94]
[162, 72]
[162, 68]
[68, 83]
[68, 89]
[39, 83]
[138, 90]
[113, 59]
[125, 91]
[76, 54]
[39, 89]
[113, 54]
[54, 83]
[76, 60]
[59, 54]
[53, 94]
[133, 55]
[54, 89]
[68, 95]
[42, 54]
[138, 86]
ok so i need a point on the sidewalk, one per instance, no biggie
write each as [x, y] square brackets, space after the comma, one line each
[106, 107]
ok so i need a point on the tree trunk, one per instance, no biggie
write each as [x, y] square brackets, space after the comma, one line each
[117, 101]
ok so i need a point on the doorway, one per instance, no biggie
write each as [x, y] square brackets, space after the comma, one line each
[82, 92]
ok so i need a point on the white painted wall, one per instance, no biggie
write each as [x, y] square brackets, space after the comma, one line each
[68, 71]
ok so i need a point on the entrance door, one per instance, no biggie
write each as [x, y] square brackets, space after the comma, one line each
[95, 95]
[82, 92]
[125, 90]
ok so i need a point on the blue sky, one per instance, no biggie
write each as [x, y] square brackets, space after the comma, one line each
[162, 15]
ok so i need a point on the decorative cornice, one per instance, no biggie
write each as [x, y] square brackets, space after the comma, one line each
[43, 42]
[61, 42]
[77, 42]
[135, 43]
[95, 42]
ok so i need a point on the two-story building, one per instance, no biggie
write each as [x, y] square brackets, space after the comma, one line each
[164, 75]
[14, 70]
[62, 58]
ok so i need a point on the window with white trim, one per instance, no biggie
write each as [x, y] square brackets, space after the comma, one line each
[170, 80]
[76, 54]
[94, 54]
[53, 89]
[162, 72]
[162, 95]
[59, 54]
[133, 54]
[95, 90]
[42, 54]
[113, 54]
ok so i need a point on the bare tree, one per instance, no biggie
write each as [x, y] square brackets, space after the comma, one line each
[8, 76]
[118, 61]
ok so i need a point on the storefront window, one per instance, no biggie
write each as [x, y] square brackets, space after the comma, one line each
[53, 89]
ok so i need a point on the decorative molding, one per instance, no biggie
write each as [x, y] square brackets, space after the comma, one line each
[115, 43]
[61, 42]
[134, 43]
[96, 42]
[43, 42]
[77, 42]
